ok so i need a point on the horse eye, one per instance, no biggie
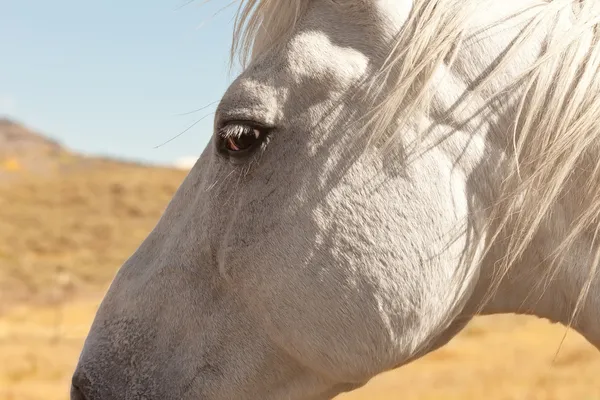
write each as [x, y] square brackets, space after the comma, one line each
[237, 139]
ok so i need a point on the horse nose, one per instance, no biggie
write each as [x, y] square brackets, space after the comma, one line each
[77, 394]
[78, 386]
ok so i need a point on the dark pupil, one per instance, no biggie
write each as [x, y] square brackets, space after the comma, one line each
[244, 141]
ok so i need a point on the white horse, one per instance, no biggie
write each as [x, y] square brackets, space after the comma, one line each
[379, 173]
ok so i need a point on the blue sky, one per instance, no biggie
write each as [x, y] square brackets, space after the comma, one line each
[113, 77]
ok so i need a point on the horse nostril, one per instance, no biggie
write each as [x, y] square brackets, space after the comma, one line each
[76, 393]
[78, 385]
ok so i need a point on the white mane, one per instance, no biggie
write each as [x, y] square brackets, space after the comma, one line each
[556, 131]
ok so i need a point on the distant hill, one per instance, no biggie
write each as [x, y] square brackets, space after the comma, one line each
[16, 139]
[23, 150]
[67, 221]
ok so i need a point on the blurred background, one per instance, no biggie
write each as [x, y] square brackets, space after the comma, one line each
[104, 106]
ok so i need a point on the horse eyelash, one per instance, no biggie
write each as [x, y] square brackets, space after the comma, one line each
[238, 130]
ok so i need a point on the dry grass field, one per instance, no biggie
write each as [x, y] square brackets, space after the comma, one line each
[65, 228]
[499, 358]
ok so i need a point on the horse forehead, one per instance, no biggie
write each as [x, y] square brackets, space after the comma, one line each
[331, 48]
[396, 11]
[313, 54]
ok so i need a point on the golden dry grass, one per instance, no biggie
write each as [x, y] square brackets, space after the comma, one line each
[497, 358]
[68, 233]
[63, 236]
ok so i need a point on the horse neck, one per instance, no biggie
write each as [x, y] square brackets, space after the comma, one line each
[533, 285]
